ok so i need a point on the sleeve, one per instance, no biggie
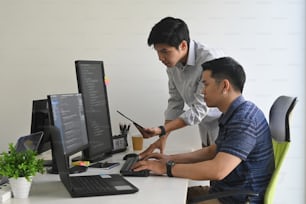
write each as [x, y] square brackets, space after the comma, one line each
[175, 103]
[198, 109]
[239, 139]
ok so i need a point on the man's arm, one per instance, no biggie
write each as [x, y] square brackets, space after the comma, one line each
[216, 169]
[204, 154]
[213, 168]
[161, 142]
[169, 126]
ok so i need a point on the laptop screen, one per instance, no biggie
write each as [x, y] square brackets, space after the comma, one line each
[31, 141]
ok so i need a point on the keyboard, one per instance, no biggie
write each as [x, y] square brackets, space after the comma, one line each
[97, 185]
[126, 169]
[89, 184]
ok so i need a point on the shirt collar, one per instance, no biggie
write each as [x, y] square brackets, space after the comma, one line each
[190, 58]
[228, 114]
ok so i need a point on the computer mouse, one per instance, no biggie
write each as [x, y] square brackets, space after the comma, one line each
[77, 169]
[130, 155]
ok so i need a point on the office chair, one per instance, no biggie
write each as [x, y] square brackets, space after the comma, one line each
[280, 132]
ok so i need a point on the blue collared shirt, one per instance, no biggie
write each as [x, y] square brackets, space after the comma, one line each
[244, 133]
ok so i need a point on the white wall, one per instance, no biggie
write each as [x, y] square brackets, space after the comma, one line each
[40, 39]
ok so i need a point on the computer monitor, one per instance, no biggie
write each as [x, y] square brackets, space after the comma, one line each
[91, 84]
[41, 122]
[67, 116]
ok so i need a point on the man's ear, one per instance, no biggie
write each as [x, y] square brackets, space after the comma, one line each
[226, 86]
[183, 45]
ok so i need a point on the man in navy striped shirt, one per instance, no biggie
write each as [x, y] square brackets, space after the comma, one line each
[242, 157]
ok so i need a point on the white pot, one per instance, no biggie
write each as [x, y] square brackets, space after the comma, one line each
[20, 187]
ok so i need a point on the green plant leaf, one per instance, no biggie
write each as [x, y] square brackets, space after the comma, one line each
[15, 164]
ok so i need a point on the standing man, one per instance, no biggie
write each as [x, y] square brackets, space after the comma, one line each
[183, 58]
[241, 158]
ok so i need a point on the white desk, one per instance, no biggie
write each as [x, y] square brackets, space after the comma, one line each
[48, 188]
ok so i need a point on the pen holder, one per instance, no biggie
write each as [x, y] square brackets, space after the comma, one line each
[120, 143]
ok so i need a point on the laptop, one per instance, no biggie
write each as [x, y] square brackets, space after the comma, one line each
[29, 142]
[87, 185]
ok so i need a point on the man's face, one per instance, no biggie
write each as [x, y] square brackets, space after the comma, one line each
[212, 90]
[169, 55]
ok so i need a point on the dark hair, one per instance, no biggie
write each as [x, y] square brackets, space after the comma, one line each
[226, 68]
[170, 31]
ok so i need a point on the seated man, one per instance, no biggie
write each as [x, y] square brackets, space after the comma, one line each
[242, 157]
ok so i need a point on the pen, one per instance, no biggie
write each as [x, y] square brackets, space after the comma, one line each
[124, 129]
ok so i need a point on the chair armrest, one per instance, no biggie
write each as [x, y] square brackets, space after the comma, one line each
[221, 195]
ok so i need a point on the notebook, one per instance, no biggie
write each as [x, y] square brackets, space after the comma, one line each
[88, 185]
[31, 141]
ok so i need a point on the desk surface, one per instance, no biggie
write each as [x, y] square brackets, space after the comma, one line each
[48, 188]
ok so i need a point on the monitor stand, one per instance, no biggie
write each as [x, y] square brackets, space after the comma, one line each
[47, 163]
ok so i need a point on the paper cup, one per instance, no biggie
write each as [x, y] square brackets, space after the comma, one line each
[137, 141]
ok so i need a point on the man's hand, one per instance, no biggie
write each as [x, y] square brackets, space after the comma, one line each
[154, 162]
[144, 131]
[159, 144]
[148, 132]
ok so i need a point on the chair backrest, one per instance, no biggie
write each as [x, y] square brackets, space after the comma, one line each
[279, 118]
[280, 131]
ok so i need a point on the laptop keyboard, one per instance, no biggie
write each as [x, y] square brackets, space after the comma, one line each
[126, 169]
[90, 184]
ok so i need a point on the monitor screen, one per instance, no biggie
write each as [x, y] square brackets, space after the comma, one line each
[67, 115]
[91, 84]
[41, 122]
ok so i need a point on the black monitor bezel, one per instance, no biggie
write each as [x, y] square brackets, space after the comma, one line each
[49, 98]
[45, 143]
[92, 154]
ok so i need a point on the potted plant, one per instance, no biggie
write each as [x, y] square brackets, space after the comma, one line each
[20, 167]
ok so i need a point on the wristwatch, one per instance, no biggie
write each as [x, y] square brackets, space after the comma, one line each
[162, 131]
[169, 166]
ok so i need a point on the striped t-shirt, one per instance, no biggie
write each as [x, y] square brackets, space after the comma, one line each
[244, 132]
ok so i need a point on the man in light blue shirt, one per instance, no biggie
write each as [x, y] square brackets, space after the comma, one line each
[183, 58]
